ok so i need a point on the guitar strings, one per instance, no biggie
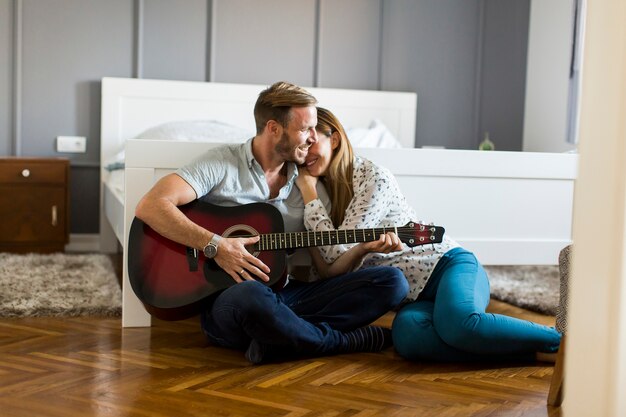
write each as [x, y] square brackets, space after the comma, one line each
[402, 232]
[410, 235]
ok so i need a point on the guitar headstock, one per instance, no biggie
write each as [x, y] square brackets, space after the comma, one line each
[415, 234]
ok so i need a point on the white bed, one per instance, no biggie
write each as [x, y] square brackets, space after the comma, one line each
[510, 208]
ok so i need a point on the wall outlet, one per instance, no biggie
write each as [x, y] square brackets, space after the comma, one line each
[72, 144]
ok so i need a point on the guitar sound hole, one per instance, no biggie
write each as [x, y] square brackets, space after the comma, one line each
[242, 230]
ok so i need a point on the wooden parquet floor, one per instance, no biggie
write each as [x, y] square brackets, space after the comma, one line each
[65, 367]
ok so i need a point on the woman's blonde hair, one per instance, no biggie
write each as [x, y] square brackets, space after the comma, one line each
[338, 176]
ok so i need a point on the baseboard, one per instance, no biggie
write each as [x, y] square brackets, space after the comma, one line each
[515, 252]
[83, 242]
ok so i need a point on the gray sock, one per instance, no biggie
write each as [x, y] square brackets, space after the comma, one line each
[367, 339]
[256, 352]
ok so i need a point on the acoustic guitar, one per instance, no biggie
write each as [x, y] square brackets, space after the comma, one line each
[173, 281]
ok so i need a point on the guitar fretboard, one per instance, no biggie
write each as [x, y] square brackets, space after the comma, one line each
[294, 240]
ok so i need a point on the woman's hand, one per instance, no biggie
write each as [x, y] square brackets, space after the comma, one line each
[387, 243]
[307, 184]
[233, 257]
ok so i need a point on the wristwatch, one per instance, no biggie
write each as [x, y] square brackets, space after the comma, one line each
[210, 250]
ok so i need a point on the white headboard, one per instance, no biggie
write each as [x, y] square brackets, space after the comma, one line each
[130, 106]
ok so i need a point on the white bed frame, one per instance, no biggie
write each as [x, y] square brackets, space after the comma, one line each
[510, 208]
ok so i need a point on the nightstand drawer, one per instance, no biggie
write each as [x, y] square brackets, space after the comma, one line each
[23, 171]
[34, 204]
[37, 215]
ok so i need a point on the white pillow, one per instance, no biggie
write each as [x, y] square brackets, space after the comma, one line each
[377, 135]
[197, 131]
[116, 162]
[187, 131]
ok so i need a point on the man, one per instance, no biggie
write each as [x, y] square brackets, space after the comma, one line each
[324, 317]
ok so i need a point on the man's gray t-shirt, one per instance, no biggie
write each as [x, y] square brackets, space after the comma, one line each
[229, 175]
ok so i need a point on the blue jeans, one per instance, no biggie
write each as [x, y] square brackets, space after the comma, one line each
[448, 321]
[307, 318]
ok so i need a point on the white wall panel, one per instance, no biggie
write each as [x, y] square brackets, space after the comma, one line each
[547, 77]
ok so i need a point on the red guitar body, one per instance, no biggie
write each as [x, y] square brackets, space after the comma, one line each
[173, 282]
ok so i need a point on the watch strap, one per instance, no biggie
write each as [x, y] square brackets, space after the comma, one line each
[215, 240]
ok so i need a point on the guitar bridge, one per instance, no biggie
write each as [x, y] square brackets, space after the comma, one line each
[192, 259]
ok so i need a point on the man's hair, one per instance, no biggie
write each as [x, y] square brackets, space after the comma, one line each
[276, 101]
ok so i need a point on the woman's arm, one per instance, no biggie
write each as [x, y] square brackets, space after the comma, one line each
[374, 189]
[353, 257]
[307, 184]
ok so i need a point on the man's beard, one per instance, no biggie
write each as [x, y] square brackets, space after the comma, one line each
[284, 149]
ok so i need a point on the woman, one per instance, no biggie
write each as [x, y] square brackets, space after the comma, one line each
[444, 318]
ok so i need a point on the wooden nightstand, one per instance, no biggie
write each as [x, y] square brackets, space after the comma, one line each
[34, 204]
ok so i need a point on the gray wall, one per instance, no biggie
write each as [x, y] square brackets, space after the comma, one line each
[466, 59]
[349, 49]
[432, 47]
[502, 83]
[174, 40]
[6, 74]
[261, 42]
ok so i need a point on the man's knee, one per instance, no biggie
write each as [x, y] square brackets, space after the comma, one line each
[400, 286]
[395, 284]
[250, 297]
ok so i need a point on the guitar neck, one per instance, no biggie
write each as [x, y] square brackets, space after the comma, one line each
[295, 240]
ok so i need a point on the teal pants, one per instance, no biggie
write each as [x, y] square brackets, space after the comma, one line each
[448, 321]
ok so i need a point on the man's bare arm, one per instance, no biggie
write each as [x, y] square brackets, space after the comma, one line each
[159, 209]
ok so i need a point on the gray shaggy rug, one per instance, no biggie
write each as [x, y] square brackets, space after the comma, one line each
[534, 288]
[34, 285]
